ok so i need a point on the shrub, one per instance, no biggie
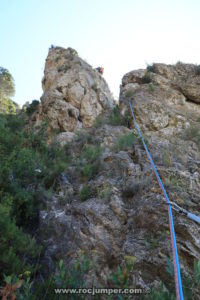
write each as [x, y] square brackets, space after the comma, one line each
[89, 161]
[16, 247]
[146, 78]
[32, 107]
[174, 182]
[132, 188]
[191, 285]
[125, 142]
[104, 192]
[91, 152]
[153, 240]
[192, 133]
[17, 288]
[7, 86]
[83, 137]
[197, 70]
[85, 193]
[151, 68]
[166, 158]
[89, 170]
[151, 88]
[122, 277]
[7, 106]
[27, 167]
[129, 94]
[64, 68]
[198, 119]
[114, 118]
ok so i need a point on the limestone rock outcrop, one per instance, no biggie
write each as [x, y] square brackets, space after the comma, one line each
[120, 211]
[74, 93]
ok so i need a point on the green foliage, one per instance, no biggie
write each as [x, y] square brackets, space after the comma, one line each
[7, 106]
[151, 88]
[91, 152]
[122, 278]
[160, 293]
[129, 94]
[153, 240]
[83, 137]
[27, 168]
[65, 277]
[89, 161]
[190, 284]
[104, 192]
[114, 118]
[85, 193]
[197, 273]
[7, 87]
[32, 107]
[125, 142]
[192, 133]
[166, 158]
[198, 119]
[197, 70]
[151, 68]
[72, 277]
[64, 68]
[18, 287]
[175, 183]
[146, 78]
[16, 247]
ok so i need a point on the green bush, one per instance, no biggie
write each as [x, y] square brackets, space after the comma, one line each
[7, 106]
[83, 138]
[32, 107]
[122, 277]
[104, 192]
[151, 68]
[85, 193]
[146, 78]
[72, 277]
[17, 287]
[125, 142]
[197, 70]
[114, 118]
[191, 285]
[91, 152]
[7, 86]
[88, 162]
[192, 133]
[151, 88]
[129, 94]
[64, 68]
[27, 168]
[17, 249]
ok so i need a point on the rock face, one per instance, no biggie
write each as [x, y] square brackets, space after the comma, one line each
[124, 213]
[165, 100]
[74, 93]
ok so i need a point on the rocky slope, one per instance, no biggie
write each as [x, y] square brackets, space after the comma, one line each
[108, 203]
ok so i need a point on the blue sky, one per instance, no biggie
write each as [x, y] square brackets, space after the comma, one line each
[121, 35]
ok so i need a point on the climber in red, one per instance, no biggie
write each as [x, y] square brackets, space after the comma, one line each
[100, 70]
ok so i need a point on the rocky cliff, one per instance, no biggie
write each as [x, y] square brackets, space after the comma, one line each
[107, 203]
[74, 93]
